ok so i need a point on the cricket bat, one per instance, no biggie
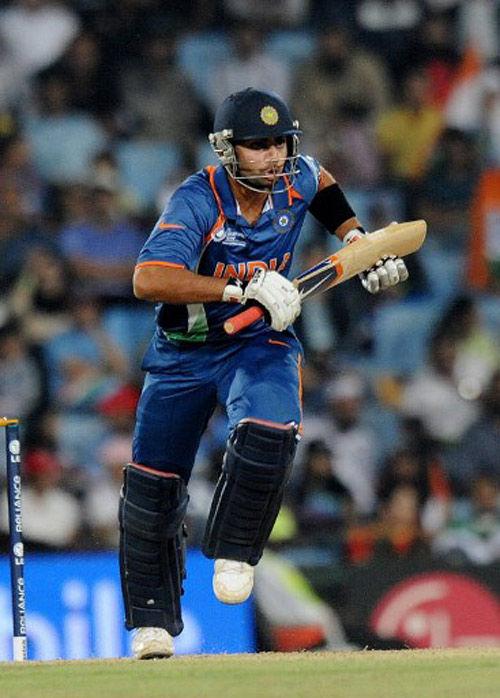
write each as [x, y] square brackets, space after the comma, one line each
[398, 239]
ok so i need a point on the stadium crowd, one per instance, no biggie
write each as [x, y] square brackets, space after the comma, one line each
[105, 107]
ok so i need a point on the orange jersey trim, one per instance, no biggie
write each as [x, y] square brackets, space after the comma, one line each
[292, 193]
[221, 217]
[214, 229]
[175, 226]
[211, 180]
[267, 423]
[171, 265]
[326, 179]
[301, 393]
[277, 341]
[161, 473]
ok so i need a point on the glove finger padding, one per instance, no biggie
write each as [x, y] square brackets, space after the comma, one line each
[387, 272]
[370, 281]
[402, 270]
[277, 295]
[391, 271]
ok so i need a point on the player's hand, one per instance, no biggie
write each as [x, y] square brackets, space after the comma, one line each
[277, 295]
[387, 272]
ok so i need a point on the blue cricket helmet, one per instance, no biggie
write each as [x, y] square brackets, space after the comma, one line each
[250, 115]
[253, 114]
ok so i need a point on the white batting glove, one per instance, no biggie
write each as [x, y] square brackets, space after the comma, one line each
[274, 293]
[387, 272]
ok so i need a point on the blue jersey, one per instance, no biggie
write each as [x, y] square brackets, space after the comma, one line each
[202, 230]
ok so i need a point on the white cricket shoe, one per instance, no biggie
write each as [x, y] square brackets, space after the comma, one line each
[152, 643]
[232, 581]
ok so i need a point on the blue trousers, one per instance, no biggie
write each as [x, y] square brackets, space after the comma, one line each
[257, 378]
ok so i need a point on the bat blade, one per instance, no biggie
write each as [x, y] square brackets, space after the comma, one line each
[399, 239]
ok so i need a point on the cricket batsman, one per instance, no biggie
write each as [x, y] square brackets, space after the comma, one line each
[225, 240]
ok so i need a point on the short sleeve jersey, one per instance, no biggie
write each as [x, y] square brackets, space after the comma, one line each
[201, 229]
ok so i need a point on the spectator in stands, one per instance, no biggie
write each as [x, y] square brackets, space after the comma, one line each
[406, 467]
[491, 130]
[432, 395]
[339, 13]
[102, 495]
[321, 502]
[118, 410]
[20, 376]
[478, 351]
[63, 140]
[37, 32]
[351, 443]
[52, 517]
[105, 170]
[92, 83]
[339, 79]
[433, 49]
[84, 365]
[102, 248]
[249, 64]
[408, 132]
[445, 194]
[483, 254]
[474, 103]
[85, 346]
[17, 169]
[19, 235]
[353, 153]
[472, 532]
[395, 531]
[103, 492]
[478, 452]
[279, 14]
[13, 86]
[159, 102]
[388, 26]
[39, 296]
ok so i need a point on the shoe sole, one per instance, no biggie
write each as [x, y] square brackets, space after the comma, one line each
[231, 600]
[155, 655]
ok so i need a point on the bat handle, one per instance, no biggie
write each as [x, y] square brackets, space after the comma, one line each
[241, 320]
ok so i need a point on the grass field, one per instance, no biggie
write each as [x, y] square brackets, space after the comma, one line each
[404, 674]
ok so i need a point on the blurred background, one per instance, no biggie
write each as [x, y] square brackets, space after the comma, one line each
[390, 532]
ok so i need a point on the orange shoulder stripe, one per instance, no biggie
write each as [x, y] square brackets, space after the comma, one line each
[157, 263]
[175, 226]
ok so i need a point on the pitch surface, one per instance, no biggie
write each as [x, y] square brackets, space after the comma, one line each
[462, 673]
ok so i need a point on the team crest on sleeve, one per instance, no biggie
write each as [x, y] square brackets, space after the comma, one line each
[269, 115]
[283, 221]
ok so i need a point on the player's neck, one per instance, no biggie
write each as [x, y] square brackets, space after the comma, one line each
[250, 202]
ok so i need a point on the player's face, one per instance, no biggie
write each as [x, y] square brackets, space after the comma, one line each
[262, 159]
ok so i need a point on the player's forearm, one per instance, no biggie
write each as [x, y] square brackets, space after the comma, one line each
[177, 286]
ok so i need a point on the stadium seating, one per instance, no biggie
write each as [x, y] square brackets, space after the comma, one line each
[144, 166]
[198, 54]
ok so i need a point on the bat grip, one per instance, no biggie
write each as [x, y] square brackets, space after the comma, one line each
[241, 320]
